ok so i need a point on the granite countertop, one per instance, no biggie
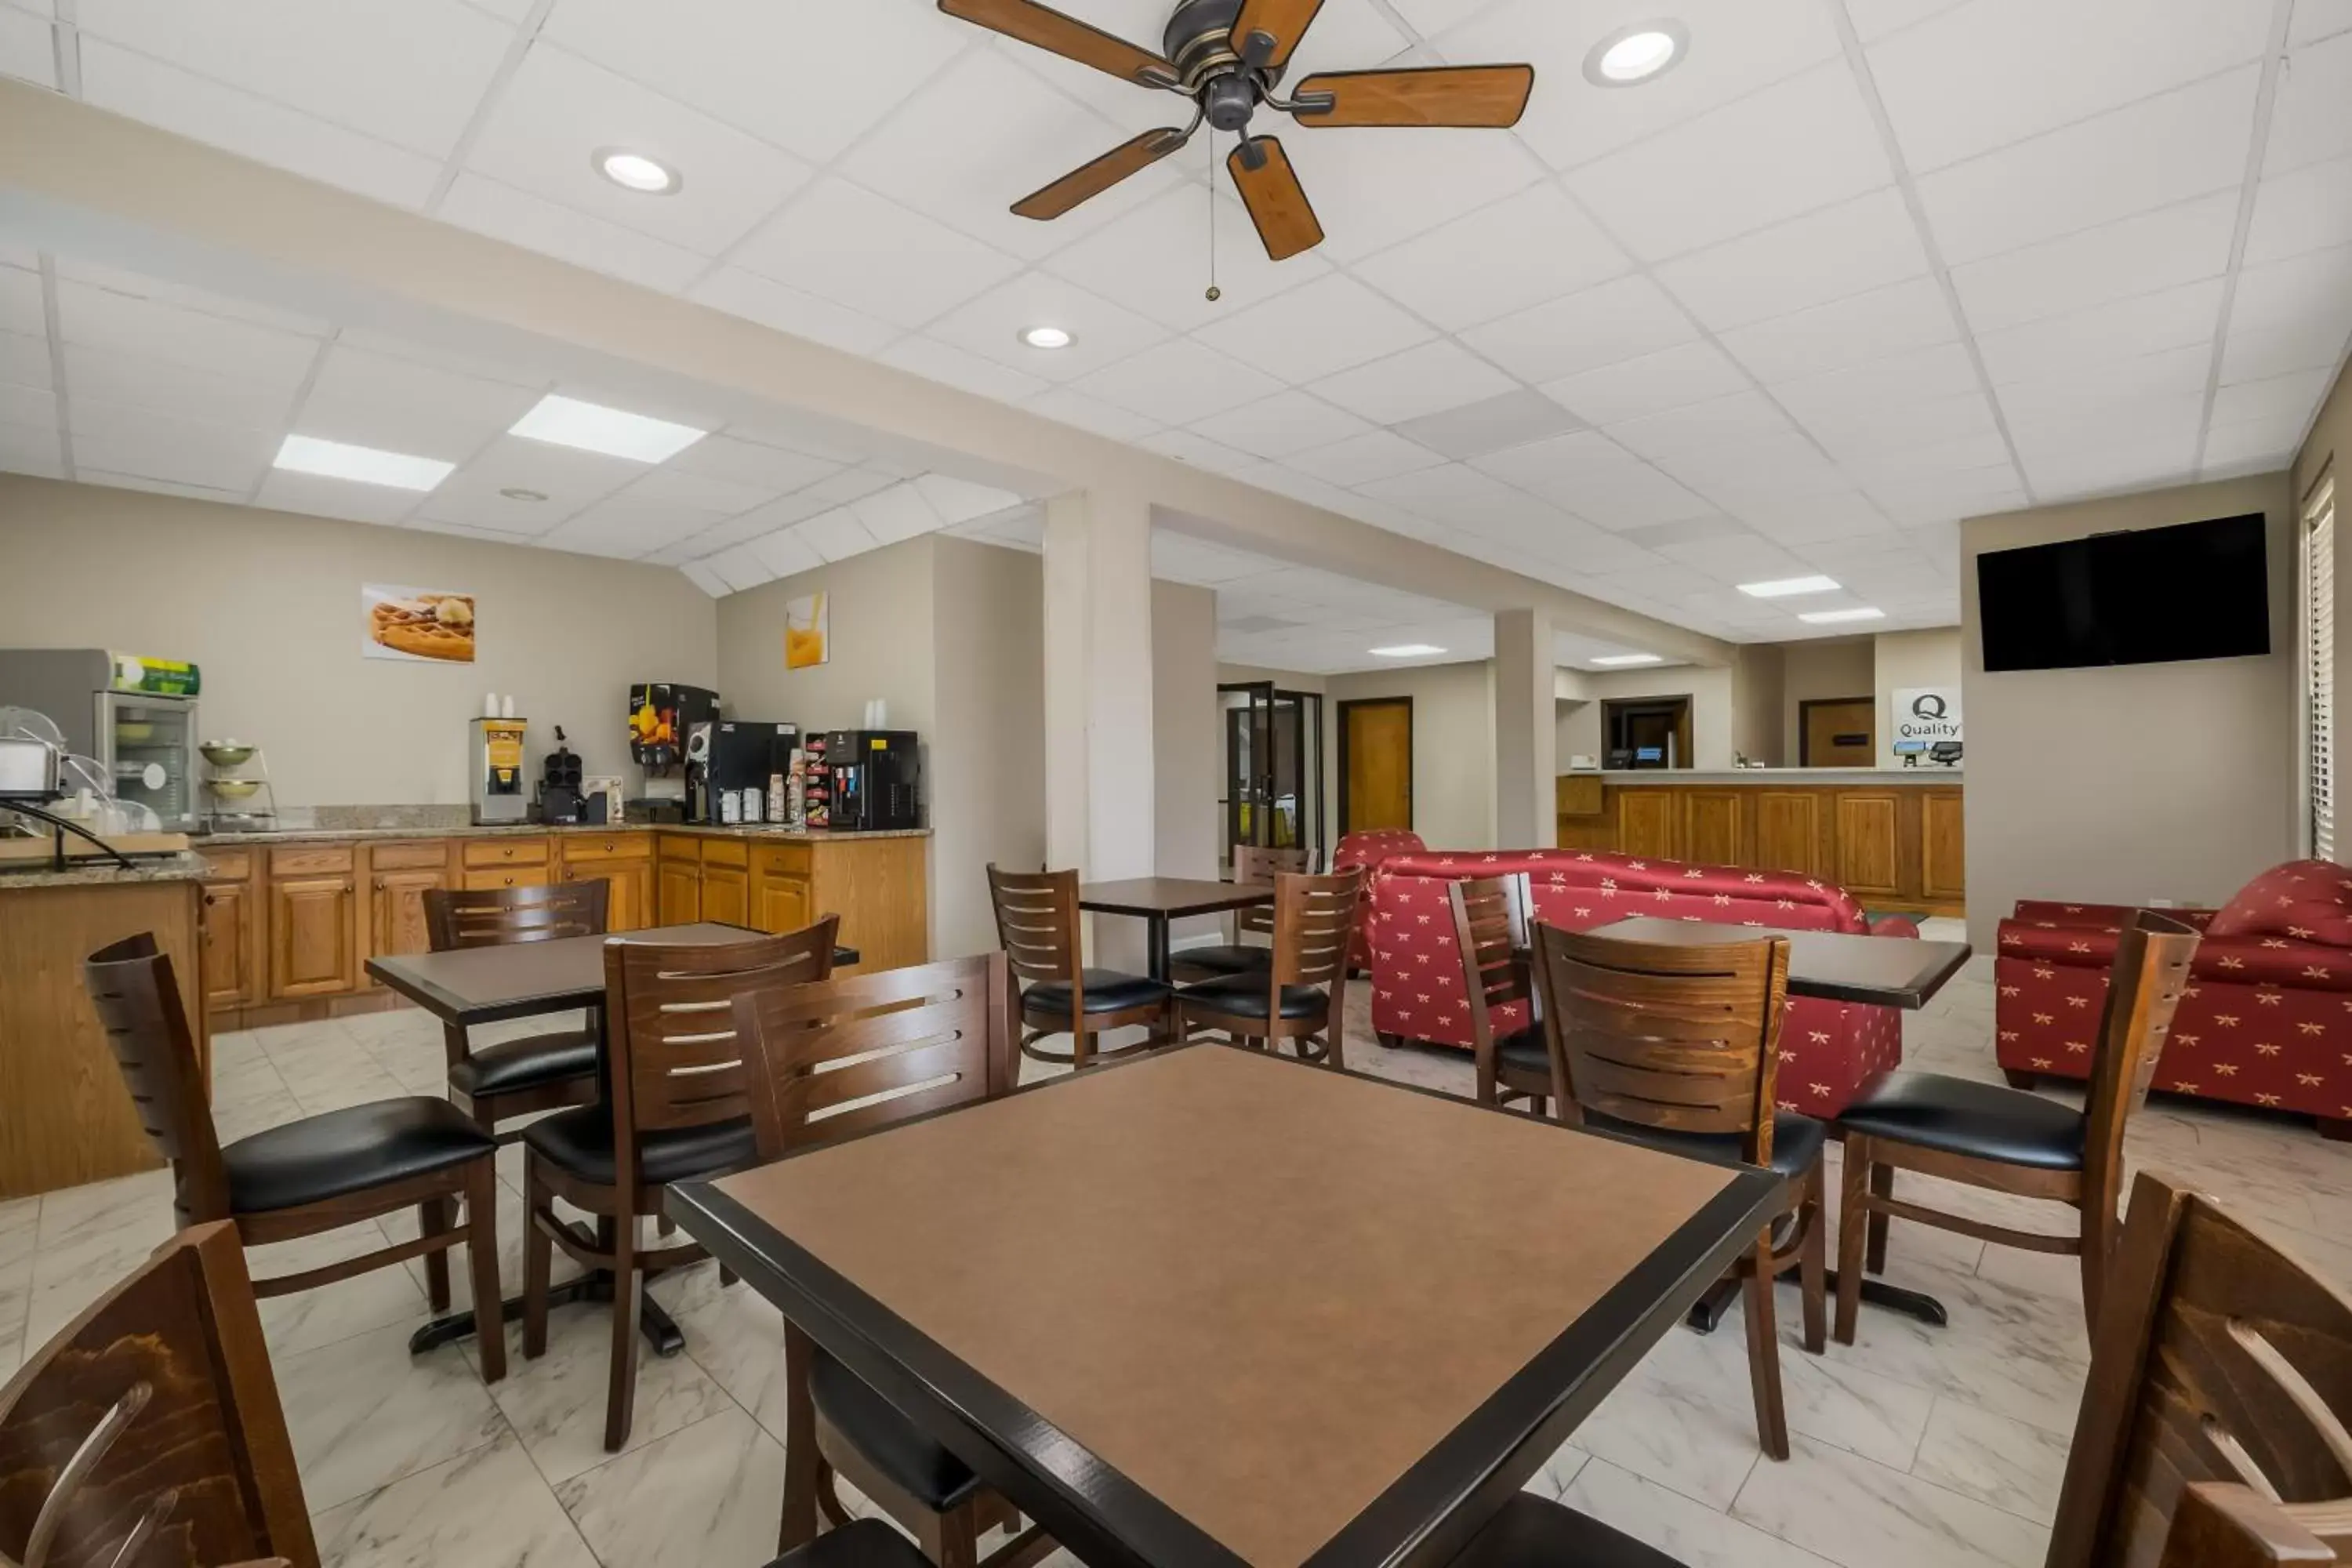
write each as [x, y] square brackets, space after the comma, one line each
[98, 871]
[762, 832]
[1859, 777]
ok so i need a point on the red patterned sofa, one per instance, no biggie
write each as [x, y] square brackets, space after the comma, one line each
[1367, 849]
[1828, 1048]
[2266, 1019]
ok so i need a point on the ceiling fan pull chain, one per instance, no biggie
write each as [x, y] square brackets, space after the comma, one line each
[1215, 293]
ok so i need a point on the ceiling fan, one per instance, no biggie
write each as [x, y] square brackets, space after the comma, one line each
[1227, 56]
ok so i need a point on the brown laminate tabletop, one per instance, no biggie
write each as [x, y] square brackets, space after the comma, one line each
[480, 985]
[1843, 966]
[1172, 898]
[1210, 1308]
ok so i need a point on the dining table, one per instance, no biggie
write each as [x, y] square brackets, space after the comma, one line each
[1280, 1324]
[475, 986]
[1159, 901]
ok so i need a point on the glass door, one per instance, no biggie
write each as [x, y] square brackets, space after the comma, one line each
[1274, 768]
[151, 753]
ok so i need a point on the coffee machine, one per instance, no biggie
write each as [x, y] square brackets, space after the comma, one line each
[496, 771]
[729, 765]
[871, 779]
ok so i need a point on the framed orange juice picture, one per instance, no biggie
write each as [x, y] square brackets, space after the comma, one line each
[807, 635]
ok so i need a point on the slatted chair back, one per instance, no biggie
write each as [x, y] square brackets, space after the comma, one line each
[846, 1055]
[1683, 1039]
[2218, 1358]
[677, 1060]
[1037, 922]
[2223, 1526]
[494, 917]
[1313, 916]
[1261, 863]
[2143, 986]
[147, 1433]
[1490, 932]
[137, 998]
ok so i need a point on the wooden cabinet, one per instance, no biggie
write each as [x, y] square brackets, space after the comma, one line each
[1942, 846]
[623, 863]
[1789, 832]
[231, 947]
[520, 877]
[399, 875]
[678, 878]
[313, 921]
[1646, 823]
[1711, 828]
[1869, 843]
[781, 897]
[726, 895]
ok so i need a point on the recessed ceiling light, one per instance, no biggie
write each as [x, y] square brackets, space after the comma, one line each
[340, 460]
[1406, 650]
[1830, 618]
[1636, 54]
[636, 172]
[1048, 337]
[1782, 587]
[593, 428]
[516, 492]
[1615, 659]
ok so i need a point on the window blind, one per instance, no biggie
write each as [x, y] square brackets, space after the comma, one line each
[2319, 671]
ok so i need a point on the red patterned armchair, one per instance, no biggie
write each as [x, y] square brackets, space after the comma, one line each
[1367, 849]
[1828, 1048]
[2266, 1019]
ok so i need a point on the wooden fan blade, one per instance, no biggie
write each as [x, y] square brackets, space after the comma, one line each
[1091, 180]
[1440, 95]
[1267, 30]
[1276, 201]
[1065, 36]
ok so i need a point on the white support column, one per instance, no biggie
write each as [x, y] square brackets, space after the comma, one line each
[1099, 814]
[1525, 762]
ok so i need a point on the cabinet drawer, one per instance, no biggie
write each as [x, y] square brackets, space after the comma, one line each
[518, 876]
[726, 852]
[310, 860]
[506, 852]
[409, 857]
[681, 848]
[228, 866]
[782, 861]
[577, 846]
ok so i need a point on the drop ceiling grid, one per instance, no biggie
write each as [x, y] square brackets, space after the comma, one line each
[1904, 466]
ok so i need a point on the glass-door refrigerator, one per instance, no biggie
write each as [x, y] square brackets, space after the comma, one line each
[136, 717]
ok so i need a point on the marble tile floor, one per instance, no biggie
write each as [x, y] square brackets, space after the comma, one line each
[1936, 1448]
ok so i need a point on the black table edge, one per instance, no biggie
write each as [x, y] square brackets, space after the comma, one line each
[1908, 998]
[450, 1007]
[1429, 1514]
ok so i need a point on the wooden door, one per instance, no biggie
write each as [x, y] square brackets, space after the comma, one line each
[314, 936]
[1376, 764]
[782, 902]
[679, 893]
[726, 895]
[1839, 734]
[1648, 823]
[399, 912]
[1943, 846]
[1869, 845]
[229, 946]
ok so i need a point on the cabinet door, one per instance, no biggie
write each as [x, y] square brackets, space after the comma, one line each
[399, 912]
[628, 891]
[784, 903]
[1869, 857]
[1711, 827]
[680, 895]
[642, 912]
[1646, 821]
[1943, 846]
[726, 895]
[229, 947]
[314, 940]
[1789, 831]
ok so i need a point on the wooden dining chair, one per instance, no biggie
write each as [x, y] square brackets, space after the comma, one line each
[1490, 932]
[2012, 1139]
[1253, 864]
[2221, 1525]
[1301, 996]
[1679, 1047]
[680, 1110]
[837, 1059]
[2218, 1359]
[149, 1430]
[1037, 924]
[545, 1071]
[299, 1178]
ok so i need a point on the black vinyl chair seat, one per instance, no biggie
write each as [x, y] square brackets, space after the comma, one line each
[897, 1448]
[1532, 1533]
[527, 1063]
[1524, 1052]
[1961, 1116]
[1107, 991]
[1226, 958]
[349, 1151]
[1797, 1141]
[580, 1141]
[860, 1544]
[1244, 996]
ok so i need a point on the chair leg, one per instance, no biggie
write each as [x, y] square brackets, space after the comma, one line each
[433, 1218]
[1881, 1186]
[1854, 1222]
[2101, 1233]
[1082, 1048]
[1764, 1352]
[802, 1460]
[537, 1261]
[482, 1260]
[628, 1286]
[1813, 1263]
[949, 1539]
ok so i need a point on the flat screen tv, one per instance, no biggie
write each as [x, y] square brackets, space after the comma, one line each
[2150, 595]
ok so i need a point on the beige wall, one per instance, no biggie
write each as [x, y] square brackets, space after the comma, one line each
[881, 644]
[1452, 747]
[1188, 753]
[267, 603]
[1909, 660]
[1759, 677]
[2171, 781]
[1578, 728]
[1819, 671]
[986, 793]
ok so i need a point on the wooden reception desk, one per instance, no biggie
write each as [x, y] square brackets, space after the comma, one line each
[1892, 837]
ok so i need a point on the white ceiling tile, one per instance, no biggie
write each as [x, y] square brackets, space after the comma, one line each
[21, 310]
[758, 523]
[898, 513]
[1984, 449]
[2064, 402]
[1606, 325]
[785, 553]
[2116, 261]
[788, 310]
[1373, 192]
[1362, 459]
[2087, 433]
[2289, 315]
[1875, 19]
[2310, 122]
[408, 72]
[1742, 416]
[2318, 19]
[2186, 142]
[739, 568]
[2254, 445]
[557, 110]
[1737, 559]
[2167, 319]
[318, 495]
[959, 501]
[944, 362]
[1810, 520]
[992, 325]
[191, 106]
[1180, 383]
[706, 579]
[1458, 493]
[100, 318]
[1865, 429]
[627, 526]
[1277, 427]
[1977, 494]
[154, 446]
[1315, 329]
[836, 535]
[164, 293]
[1155, 260]
[1521, 251]
[25, 360]
[398, 406]
[86, 474]
[1596, 480]
[29, 406]
[139, 381]
[1943, 370]
[752, 463]
[849, 245]
[722, 56]
[1513, 419]
[2288, 399]
[2142, 460]
[987, 132]
[1795, 147]
[1198, 450]
[1090, 414]
[500, 211]
[849, 485]
[1848, 331]
[675, 486]
[1429, 379]
[569, 478]
[2308, 209]
[2054, 64]
[1693, 373]
[25, 48]
[1848, 250]
[1779, 465]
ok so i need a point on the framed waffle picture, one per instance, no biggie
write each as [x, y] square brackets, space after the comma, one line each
[419, 625]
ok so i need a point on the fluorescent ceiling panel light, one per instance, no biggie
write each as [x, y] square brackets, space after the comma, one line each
[1830, 618]
[340, 460]
[1614, 660]
[1783, 587]
[1406, 650]
[592, 427]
